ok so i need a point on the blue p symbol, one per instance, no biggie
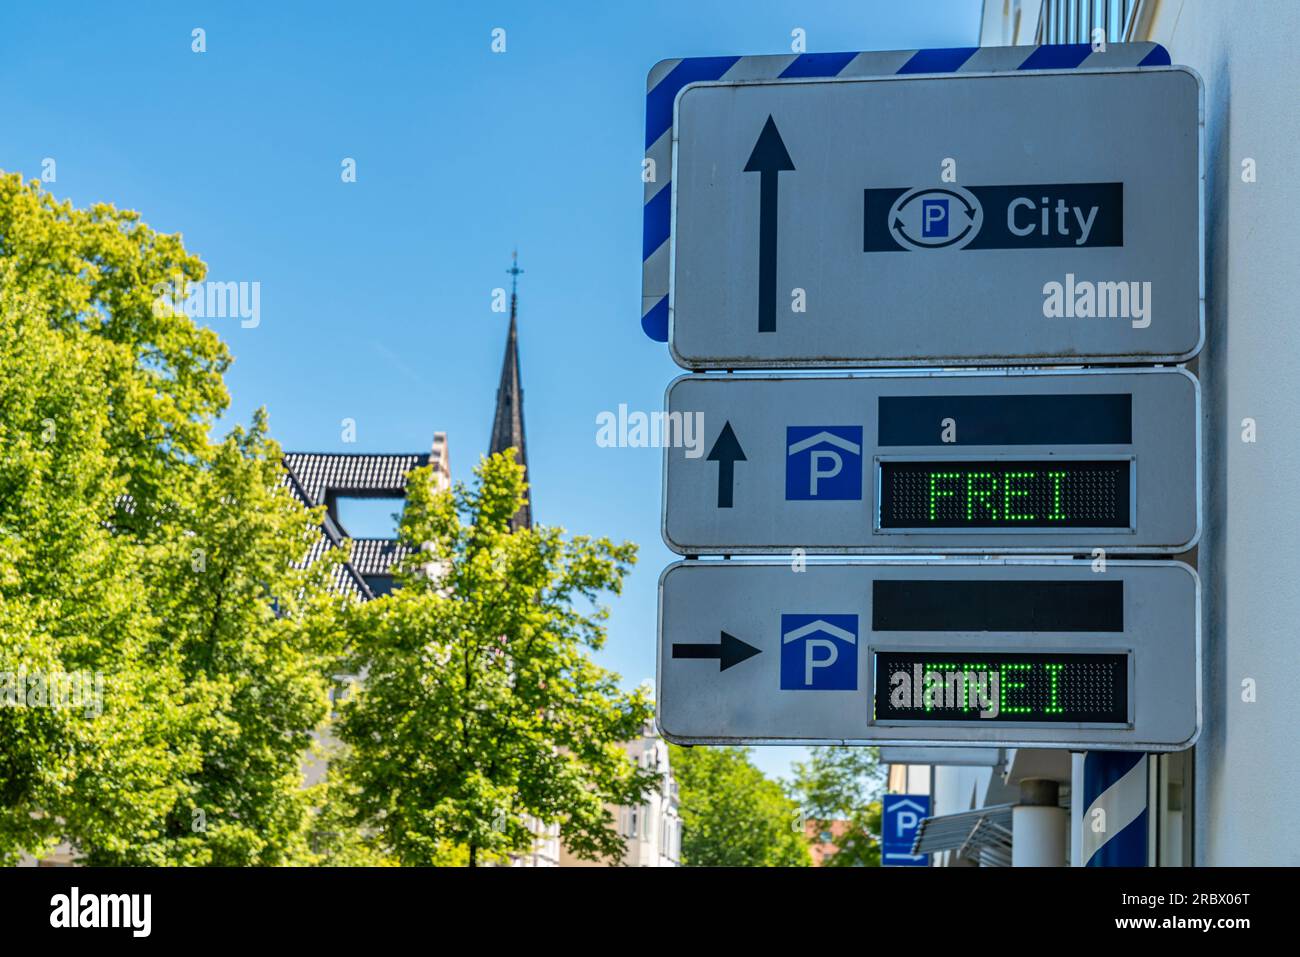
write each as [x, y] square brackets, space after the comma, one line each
[934, 218]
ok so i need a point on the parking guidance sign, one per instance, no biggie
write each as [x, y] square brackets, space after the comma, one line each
[1029, 462]
[1050, 654]
[985, 219]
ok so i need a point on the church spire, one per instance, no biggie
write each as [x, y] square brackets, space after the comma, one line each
[508, 423]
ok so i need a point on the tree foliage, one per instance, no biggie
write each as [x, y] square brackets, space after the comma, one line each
[843, 784]
[481, 712]
[134, 547]
[732, 815]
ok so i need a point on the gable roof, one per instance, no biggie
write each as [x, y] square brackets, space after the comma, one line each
[347, 577]
[376, 556]
[316, 478]
[320, 473]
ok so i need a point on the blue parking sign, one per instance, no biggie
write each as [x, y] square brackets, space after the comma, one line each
[934, 218]
[900, 819]
[819, 652]
[823, 463]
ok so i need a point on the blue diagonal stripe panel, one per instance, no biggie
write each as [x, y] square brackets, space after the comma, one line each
[1114, 796]
[659, 101]
[1128, 848]
[818, 64]
[944, 60]
[1057, 56]
[656, 222]
[655, 322]
[1158, 56]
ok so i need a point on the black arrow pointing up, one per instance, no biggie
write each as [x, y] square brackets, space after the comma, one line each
[726, 452]
[768, 160]
[729, 651]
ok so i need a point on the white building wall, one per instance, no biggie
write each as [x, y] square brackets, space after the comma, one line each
[1248, 758]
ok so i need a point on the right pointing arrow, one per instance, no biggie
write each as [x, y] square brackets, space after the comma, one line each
[726, 452]
[729, 651]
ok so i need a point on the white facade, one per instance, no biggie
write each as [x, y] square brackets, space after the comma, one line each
[546, 847]
[652, 831]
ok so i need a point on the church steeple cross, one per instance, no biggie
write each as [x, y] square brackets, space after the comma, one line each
[514, 272]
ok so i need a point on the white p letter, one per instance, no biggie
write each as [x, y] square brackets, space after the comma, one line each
[811, 661]
[816, 473]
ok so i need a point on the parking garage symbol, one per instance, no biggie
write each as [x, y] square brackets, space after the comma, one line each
[823, 463]
[819, 652]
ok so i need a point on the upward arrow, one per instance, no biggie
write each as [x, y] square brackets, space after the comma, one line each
[726, 452]
[768, 159]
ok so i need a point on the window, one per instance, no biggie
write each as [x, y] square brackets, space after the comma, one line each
[369, 517]
[1073, 21]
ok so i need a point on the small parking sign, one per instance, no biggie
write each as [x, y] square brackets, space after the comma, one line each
[900, 820]
[934, 218]
[819, 652]
[823, 463]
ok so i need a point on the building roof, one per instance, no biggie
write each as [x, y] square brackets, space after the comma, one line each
[319, 478]
[321, 473]
[347, 577]
[376, 556]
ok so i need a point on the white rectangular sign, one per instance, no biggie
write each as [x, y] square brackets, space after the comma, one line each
[968, 219]
[1041, 654]
[1031, 462]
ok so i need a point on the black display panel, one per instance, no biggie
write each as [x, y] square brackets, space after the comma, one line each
[1042, 493]
[1024, 686]
[900, 604]
[1093, 419]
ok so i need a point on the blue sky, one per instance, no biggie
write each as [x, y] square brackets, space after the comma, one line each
[376, 295]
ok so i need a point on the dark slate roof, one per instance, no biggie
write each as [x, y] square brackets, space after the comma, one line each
[318, 473]
[314, 477]
[347, 579]
[376, 556]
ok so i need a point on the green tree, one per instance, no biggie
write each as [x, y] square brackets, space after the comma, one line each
[333, 837]
[481, 708]
[63, 609]
[859, 845]
[732, 815]
[843, 784]
[134, 547]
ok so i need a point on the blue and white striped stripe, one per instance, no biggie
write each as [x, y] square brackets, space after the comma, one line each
[1114, 795]
[668, 77]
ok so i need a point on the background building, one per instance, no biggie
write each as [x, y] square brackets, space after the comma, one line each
[822, 836]
[651, 832]
[328, 478]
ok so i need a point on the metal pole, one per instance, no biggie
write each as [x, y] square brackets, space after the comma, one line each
[1113, 831]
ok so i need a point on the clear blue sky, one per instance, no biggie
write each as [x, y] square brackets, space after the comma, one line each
[376, 296]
